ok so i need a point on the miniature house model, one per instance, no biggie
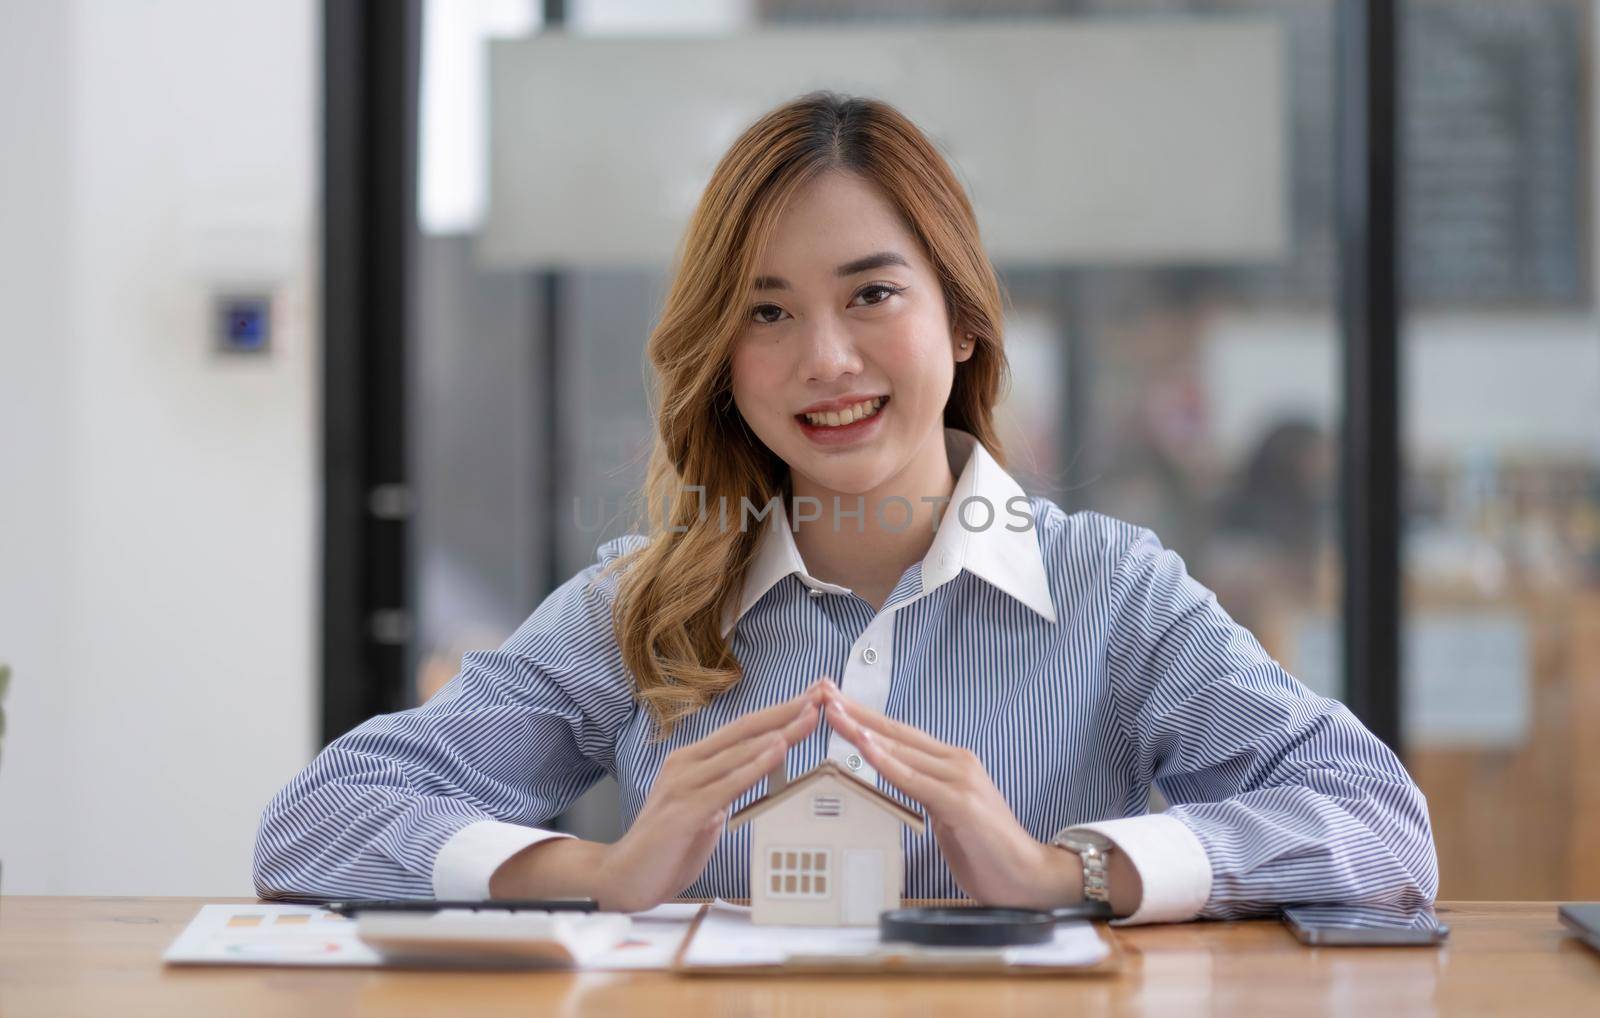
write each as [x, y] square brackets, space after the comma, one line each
[824, 849]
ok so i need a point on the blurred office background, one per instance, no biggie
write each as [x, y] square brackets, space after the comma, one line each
[321, 362]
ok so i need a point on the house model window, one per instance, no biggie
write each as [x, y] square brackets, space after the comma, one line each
[798, 872]
[825, 849]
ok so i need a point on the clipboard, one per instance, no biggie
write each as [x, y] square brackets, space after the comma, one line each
[896, 958]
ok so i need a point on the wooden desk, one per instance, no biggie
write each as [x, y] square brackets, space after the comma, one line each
[101, 956]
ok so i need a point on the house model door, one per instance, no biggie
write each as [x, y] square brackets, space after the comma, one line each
[863, 886]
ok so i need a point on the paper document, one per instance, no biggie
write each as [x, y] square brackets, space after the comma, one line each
[727, 937]
[270, 934]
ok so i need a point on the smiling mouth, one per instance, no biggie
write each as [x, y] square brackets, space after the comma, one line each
[843, 418]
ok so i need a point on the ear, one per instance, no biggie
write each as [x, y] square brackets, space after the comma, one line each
[960, 336]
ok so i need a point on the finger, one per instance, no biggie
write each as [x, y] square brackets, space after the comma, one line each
[933, 794]
[700, 773]
[879, 722]
[942, 768]
[844, 723]
[699, 795]
[938, 797]
[865, 717]
[724, 790]
[752, 725]
[803, 725]
[950, 778]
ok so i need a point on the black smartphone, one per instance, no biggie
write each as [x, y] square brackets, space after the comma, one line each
[352, 906]
[1584, 920]
[1361, 926]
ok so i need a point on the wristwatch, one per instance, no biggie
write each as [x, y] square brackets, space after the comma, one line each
[1093, 848]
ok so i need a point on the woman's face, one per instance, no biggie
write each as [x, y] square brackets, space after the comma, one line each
[832, 327]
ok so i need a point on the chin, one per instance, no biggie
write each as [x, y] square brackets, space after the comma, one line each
[857, 479]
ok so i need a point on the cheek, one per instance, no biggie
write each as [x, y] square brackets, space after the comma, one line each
[917, 358]
[753, 374]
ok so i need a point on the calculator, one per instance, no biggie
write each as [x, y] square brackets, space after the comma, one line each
[468, 938]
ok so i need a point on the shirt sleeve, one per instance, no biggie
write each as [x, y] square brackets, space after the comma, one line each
[1290, 797]
[427, 802]
[1174, 871]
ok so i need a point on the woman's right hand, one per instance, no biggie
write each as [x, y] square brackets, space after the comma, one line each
[671, 840]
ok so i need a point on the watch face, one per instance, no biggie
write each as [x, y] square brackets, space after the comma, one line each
[1086, 839]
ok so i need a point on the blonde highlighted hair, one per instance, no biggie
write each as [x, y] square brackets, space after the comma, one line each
[670, 599]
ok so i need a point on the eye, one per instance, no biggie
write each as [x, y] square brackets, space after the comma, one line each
[885, 289]
[759, 308]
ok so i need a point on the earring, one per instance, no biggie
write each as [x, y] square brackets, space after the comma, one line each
[965, 345]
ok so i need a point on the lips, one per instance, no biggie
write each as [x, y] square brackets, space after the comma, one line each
[844, 432]
[842, 412]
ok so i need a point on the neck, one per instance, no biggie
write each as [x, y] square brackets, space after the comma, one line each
[870, 553]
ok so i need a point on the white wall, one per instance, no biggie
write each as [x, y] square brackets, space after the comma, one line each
[38, 400]
[157, 502]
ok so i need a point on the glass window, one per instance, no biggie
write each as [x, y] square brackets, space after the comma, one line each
[1501, 376]
[1198, 397]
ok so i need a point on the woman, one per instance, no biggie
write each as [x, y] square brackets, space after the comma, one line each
[833, 503]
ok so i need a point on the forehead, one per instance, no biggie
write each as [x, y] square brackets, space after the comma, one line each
[832, 220]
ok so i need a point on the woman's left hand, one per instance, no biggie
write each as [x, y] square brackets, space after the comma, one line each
[994, 859]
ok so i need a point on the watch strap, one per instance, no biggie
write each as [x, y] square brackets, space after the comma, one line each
[1095, 887]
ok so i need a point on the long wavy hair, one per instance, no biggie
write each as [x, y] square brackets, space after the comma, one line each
[668, 610]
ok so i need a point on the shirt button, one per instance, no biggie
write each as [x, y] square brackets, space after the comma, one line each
[814, 592]
[853, 762]
[870, 656]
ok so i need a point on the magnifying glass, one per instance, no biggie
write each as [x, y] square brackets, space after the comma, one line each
[981, 926]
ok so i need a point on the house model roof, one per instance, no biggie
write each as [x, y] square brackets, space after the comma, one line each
[851, 782]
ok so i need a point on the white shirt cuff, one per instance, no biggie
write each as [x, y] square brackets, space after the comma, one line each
[1173, 868]
[462, 869]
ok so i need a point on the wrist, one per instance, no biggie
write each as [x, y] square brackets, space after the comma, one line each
[1063, 876]
[556, 868]
[1121, 887]
[1122, 880]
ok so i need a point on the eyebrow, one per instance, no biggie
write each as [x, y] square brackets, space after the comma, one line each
[871, 261]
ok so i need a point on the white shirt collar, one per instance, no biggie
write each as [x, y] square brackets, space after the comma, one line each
[1008, 559]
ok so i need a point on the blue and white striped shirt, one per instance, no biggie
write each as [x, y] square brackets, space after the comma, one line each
[1076, 658]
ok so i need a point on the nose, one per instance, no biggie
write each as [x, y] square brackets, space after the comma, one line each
[830, 352]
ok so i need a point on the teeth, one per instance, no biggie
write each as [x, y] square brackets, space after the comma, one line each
[849, 415]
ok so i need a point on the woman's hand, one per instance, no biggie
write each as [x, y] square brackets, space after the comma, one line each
[994, 859]
[671, 840]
